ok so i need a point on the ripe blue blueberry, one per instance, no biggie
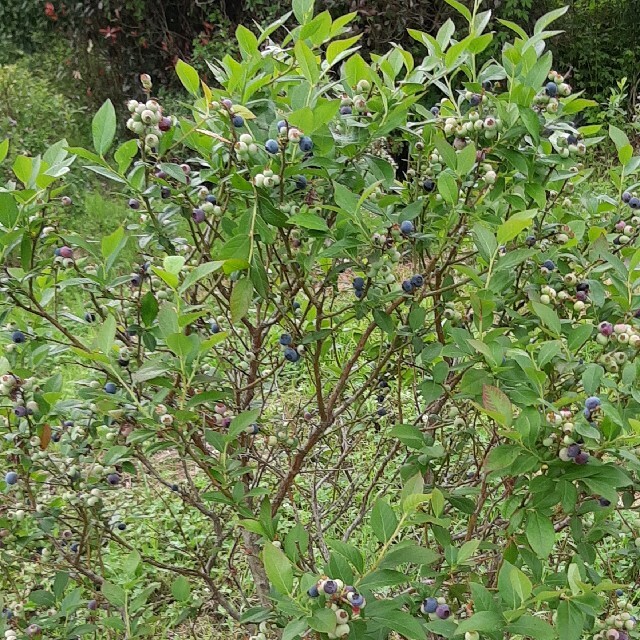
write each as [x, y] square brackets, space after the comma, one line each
[89, 316]
[272, 146]
[443, 611]
[113, 479]
[435, 111]
[238, 121]
[572, 139]
[581, 458]
[359, 294]
[165, 192]
[552, 89]
[356, 599]
[475, 100]
[634, 203]
[198, 216]
[296, 304]
[291, 354]
[313, 592]
[406, 226]
[407, 287]
[428, 185]
[619, 592]
[301, 182]
[345, 110]
[382, 411]
[20, 411]
[330, 587]
[417, 281]
[282, 124]
[429, 605]
[549, 265]
[136, 280]
[18, 337]
[530, 241]
[285, 340]
[134, 204]
[110, 387]
[592, 403]
[212, 199]
[358, 283]
[306, 144]
[604, 502]
[11, 477]
[92, 605]
[121, 526]
[573, 450]
[626, 196]
[214, 327]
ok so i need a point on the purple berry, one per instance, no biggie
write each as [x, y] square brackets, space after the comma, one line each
[238, 121]
[407, 287]
[634, 203]
[134, 204]
[417, 281]
[573, 450]
[626, 196]
[285, 340]
[113, 479]
[582, 458]
[291, 354]
[443, 611]
[606, 328]
[346, 110]
[198, 216]
[592, 403]
[330, 587]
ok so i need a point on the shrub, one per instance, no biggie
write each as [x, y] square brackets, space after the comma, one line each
[368, 394]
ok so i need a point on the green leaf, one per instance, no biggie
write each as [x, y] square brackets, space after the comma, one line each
[303, 10]
[447, 152]
[448, 187]
[513, 585]
[383, 521]
[485, 621]
[125, 153]
[323, 620]
[591, 378]
[509, 229]
[189, 77]
[8, 210]
[543, 22]
[279, 569]
[466, 160]
[247, 41]
[618, 136]
[540, 534]
[309, 221]
[148, 308]
[200, 272]
[532, 627]
[103, 127]
[106, 335]
[241, 297]
[306, 61]
[570, 620]
[181, 589]
[399, 621]
[114, 594]
[548, 316]
[295, 629]
[242, 421]
[4, 149]
[485, 241]
[498, 404]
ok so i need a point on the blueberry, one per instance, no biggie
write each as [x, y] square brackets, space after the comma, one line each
[356, 600]
[20, 411]
[175, 487]
[475, 100]
[572, 139]
[417, 281]
[211, 199]
[282, 124]
[619, 592]
[291, 354]
[238, 121]
[18, 337]
[634, 203]
[272, 146]
[113, 479]
[358, 283]
[165, 192]
[406, 226]
[592, 403]
[285, 340]
[301, 182]
[581, 295]
[582, 286]
[296, 304]
[581, 458]
[89, 316]
[487, 85]
[549, 265]
[313, 592]
[198, 216]
[330, 587]
[11, 477]
[604, 502]
[530, 241]
[346, 110]
[443, 611]
[407, 287]
[74, 547]
[110, 387]
[121, 526]
[134, 204]
[428, 185]
[382, 412]
[435, 111]
[552, 89]
[214, 327]
[429, 605]
[136, 280]
[573, 450]
[587, 414]
[68, 423]
[92, 605]
[306, 144]
[359, 294]
[626, 196]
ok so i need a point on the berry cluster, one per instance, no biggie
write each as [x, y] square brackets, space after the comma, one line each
[339, 596]
[547, 98]
[617, 626]
[147, 120]
[621, 334]
[435, 608]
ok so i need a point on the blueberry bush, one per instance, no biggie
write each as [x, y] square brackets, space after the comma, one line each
[373, 371]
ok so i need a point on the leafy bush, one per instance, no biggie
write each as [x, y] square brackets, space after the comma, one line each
[341, 393]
